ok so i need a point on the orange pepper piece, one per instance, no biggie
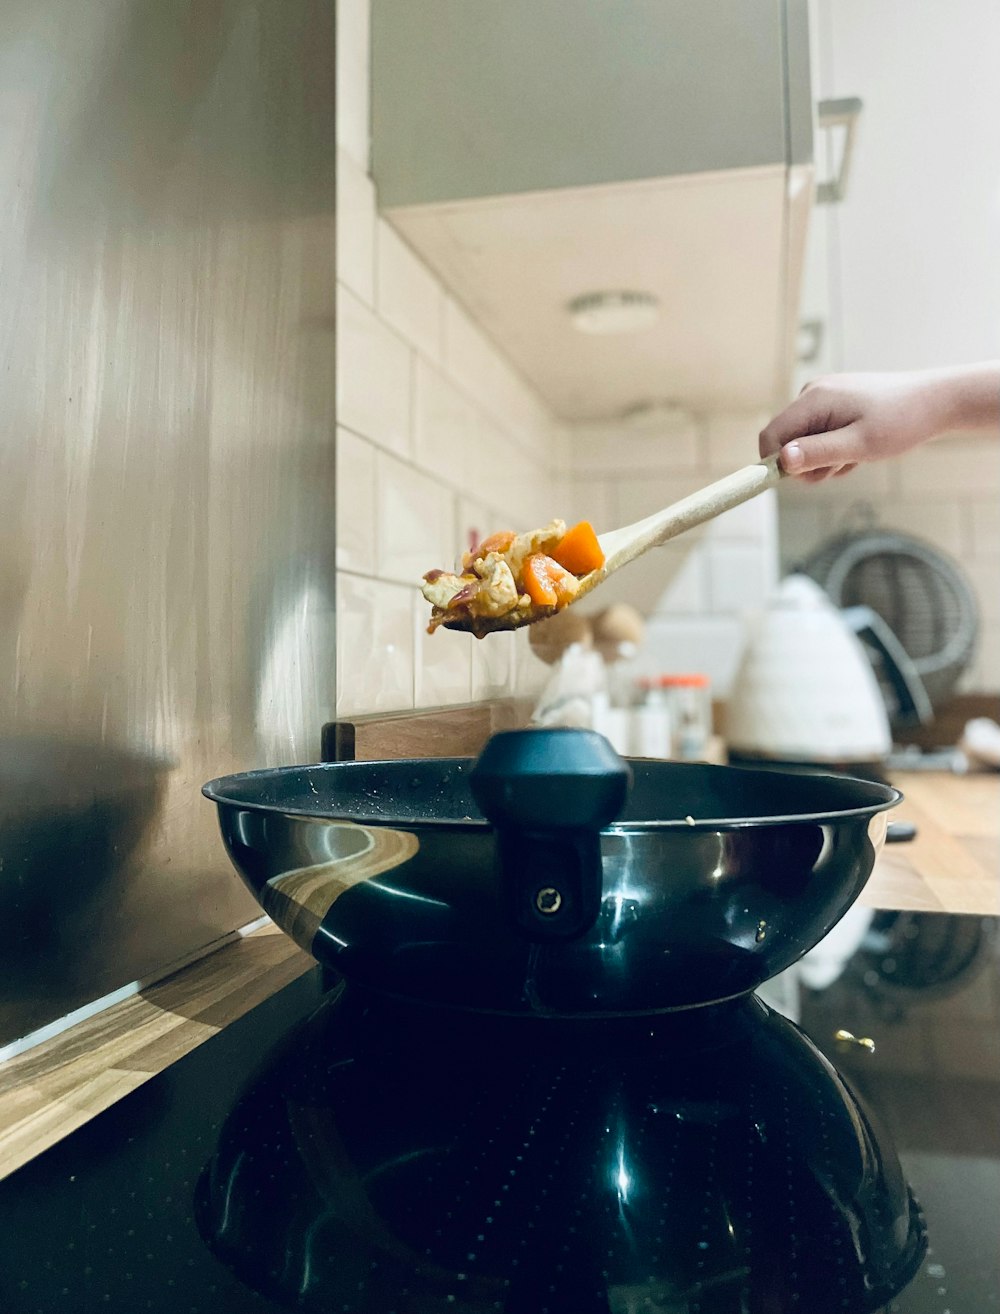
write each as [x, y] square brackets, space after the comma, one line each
[579, 550]
[546, 583]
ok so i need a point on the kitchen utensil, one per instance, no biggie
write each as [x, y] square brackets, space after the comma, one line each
[919, 592]
[532, 882]
[622, 546]
[804, 689]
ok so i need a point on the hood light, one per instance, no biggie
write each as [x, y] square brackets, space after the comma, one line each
[613, 312]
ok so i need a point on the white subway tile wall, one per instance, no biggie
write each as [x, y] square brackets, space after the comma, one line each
[945, 493]
[447, 425]
[638, 446]
[408, 297]
[639, 494]
[709, 644]
[375, 646]
[355, 228]
[731, 441]
[443, 670]
[495, 665]
[701, 590]
[356, 503]
[415, 521]
[438, 439]
[374, 377]
[594, 499]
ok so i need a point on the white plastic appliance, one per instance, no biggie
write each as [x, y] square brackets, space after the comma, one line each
[805, 690]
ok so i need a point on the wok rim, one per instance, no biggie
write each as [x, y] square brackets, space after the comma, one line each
[216, 791]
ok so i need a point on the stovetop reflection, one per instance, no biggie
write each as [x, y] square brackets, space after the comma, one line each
[395, 1162]
[328, 1152]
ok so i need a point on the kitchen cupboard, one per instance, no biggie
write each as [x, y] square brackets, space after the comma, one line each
[533, 154]
[904, 274]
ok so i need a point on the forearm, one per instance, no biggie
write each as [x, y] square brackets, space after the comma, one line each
[967, 396]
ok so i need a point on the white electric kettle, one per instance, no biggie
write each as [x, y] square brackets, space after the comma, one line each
[805, 690]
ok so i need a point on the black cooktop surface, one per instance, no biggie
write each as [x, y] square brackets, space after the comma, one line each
[331, 1152]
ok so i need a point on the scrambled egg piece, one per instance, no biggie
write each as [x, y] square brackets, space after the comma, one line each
[491, 587]
[538, 540]
[498, 593]
[441, 587]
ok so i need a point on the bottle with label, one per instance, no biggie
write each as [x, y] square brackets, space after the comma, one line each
[611, 722]
[690, 701]
[650, 729]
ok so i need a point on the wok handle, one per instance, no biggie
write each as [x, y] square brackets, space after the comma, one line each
[900, 832]
[549, 793]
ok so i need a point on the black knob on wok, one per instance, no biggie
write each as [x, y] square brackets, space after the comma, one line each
[549, 793]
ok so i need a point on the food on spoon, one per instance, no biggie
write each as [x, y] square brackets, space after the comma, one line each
[508, 574]
[579, 550]
[546, 583]
[495, 543]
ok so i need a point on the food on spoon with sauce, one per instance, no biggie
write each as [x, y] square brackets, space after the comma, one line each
[513, 577]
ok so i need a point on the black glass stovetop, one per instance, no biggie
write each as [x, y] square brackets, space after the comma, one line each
[331, 1152]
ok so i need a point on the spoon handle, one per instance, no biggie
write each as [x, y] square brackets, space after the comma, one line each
[624, 545]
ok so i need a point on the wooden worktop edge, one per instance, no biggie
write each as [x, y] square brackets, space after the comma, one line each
[49, 1091]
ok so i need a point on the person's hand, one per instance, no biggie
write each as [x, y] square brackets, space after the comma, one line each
[841, 420]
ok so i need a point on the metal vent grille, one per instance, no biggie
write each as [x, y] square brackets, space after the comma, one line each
[917, 590]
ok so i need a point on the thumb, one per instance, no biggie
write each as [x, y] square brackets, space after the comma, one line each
[821, 451]
[810, 412]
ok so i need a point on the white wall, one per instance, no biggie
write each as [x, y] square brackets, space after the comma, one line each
[425, 402]
[698, 590]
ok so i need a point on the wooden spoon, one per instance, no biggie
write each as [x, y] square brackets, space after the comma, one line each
[620, 546]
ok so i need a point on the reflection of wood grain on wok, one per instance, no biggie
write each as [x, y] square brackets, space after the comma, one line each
[511, 579]
[298, 900]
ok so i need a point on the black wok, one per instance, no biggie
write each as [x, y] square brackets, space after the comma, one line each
[549, 877]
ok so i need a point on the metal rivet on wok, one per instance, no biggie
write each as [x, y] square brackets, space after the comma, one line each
[548, 900]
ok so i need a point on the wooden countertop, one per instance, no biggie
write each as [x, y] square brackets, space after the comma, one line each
[952, 866]
[50, 1090]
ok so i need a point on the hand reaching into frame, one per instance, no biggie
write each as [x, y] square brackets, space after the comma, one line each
[841, 420]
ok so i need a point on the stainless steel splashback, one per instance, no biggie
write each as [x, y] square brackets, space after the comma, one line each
[167, 295]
